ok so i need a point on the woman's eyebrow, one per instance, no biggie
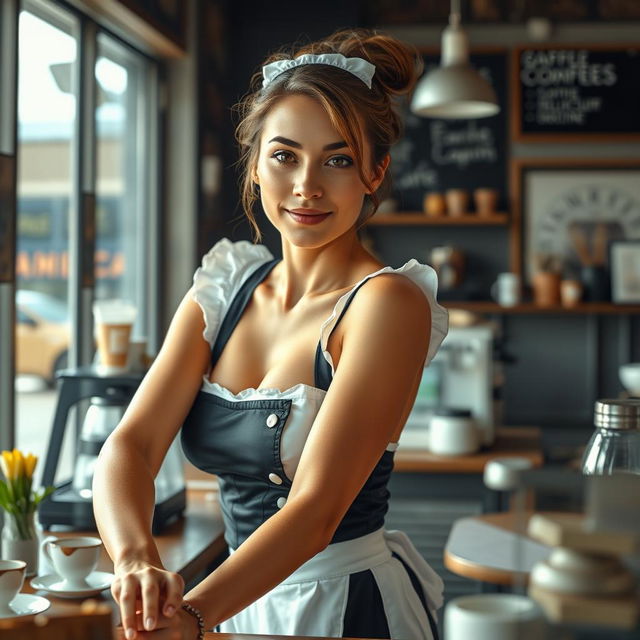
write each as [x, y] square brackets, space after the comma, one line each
[297, 145]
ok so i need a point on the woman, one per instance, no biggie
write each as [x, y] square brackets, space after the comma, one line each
[291, 388]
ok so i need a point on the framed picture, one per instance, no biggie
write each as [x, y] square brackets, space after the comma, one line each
[624, 261]
[570, 211]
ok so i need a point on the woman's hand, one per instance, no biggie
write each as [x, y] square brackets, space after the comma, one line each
[180, 626]
[148, 597]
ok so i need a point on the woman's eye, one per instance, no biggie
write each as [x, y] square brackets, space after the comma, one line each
[283, 156]
[340, 162]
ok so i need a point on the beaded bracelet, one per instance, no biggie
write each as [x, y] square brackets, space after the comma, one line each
[191, 610]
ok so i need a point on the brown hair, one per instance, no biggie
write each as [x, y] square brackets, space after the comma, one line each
[354, 110]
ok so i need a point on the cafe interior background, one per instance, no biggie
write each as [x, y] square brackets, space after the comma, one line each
[117, 174]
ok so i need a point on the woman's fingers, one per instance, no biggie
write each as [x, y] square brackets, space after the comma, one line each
[125, 591]
[145, 597]
[150, 595]
[174, 590]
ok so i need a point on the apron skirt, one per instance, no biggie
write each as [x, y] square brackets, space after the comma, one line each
[375, 586]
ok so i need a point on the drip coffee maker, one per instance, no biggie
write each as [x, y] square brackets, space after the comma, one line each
[70, 505]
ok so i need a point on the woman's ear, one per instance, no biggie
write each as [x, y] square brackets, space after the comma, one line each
[380, 172]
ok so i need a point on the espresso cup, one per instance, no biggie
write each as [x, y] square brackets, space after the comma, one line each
[72, 558]
[12, 574]
[494, 616]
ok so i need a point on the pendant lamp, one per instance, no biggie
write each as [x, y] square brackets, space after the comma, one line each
[454, 90]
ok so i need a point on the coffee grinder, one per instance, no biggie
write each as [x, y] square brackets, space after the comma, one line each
[70, 506]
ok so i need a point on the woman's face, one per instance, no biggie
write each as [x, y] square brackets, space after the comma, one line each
[310, 187]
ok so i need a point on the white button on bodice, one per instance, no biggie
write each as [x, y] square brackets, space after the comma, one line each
[275, 478]
[272, 420]
[281, 502]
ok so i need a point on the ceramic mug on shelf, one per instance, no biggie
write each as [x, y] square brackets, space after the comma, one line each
[486, 201]
[434, 204]
[546, 288]
[457, 202]
[506, 289]
[570, 292]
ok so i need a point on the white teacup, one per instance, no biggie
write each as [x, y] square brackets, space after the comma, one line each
[12, 574]
[494, 616]
[72, 558]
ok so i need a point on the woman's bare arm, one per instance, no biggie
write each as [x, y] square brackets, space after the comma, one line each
[123, 485]
[386, 334]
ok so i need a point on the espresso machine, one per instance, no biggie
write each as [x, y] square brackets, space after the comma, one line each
[70, 506]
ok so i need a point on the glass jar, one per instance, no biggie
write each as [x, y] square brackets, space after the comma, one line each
[614, 446]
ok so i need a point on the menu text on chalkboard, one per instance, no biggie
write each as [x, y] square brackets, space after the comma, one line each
[576, 91]
[437, 154]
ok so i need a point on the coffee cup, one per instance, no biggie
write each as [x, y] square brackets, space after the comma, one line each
[486, 201]
[73, 559]
[434, 204]
[12, 574]
[506, 289]
[457, 201]
[113, 323]
[453, 432]
[494, 616]
[570, 292]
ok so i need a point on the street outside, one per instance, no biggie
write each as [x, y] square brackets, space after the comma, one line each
[35, 406]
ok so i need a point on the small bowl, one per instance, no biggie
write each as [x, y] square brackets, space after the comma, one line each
[630, 377]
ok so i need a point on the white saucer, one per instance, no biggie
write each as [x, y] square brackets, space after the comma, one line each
[96, 582]
[25, 604]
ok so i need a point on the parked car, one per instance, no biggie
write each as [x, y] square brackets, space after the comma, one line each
[43, 334]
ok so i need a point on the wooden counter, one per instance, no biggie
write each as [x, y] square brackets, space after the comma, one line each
[524, 442]
[187, 546]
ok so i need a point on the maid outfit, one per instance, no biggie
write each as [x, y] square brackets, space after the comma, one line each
[368, 582]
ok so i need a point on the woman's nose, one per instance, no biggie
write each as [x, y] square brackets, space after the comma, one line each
[307, 184]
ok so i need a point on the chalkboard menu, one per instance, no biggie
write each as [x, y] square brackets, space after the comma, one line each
[436, 155]
[576, 92]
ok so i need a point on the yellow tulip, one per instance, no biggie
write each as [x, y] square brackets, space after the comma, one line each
[30, 464]
[18, 461]
[7, 464]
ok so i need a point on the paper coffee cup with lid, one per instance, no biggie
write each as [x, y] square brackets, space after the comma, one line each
[113, 324]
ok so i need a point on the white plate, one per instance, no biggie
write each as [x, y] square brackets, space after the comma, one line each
[96, 582]
[25, 604]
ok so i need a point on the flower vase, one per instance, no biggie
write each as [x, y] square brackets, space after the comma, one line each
[20, 540]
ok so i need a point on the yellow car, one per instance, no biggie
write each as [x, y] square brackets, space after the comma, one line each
[43, 334]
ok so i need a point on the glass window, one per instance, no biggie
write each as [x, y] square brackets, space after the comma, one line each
[47, 55]
[123, 173]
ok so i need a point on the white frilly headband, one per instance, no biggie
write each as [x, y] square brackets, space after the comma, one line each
[357, 66]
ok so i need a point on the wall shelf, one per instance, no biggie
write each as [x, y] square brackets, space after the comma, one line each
[411, 218]
[585, 308]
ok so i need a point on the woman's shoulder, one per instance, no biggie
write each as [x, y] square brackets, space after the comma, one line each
[223, 270]
[409, 299]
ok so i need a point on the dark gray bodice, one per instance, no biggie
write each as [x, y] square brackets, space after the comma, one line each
[240, 442]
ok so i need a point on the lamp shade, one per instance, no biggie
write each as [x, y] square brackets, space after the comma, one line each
[454, 90]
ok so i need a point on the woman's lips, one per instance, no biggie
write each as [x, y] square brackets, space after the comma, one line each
[308, 216]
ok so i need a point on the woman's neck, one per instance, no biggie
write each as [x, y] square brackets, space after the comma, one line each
[305, 273]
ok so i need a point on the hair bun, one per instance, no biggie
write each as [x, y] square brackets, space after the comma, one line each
[398, 65]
